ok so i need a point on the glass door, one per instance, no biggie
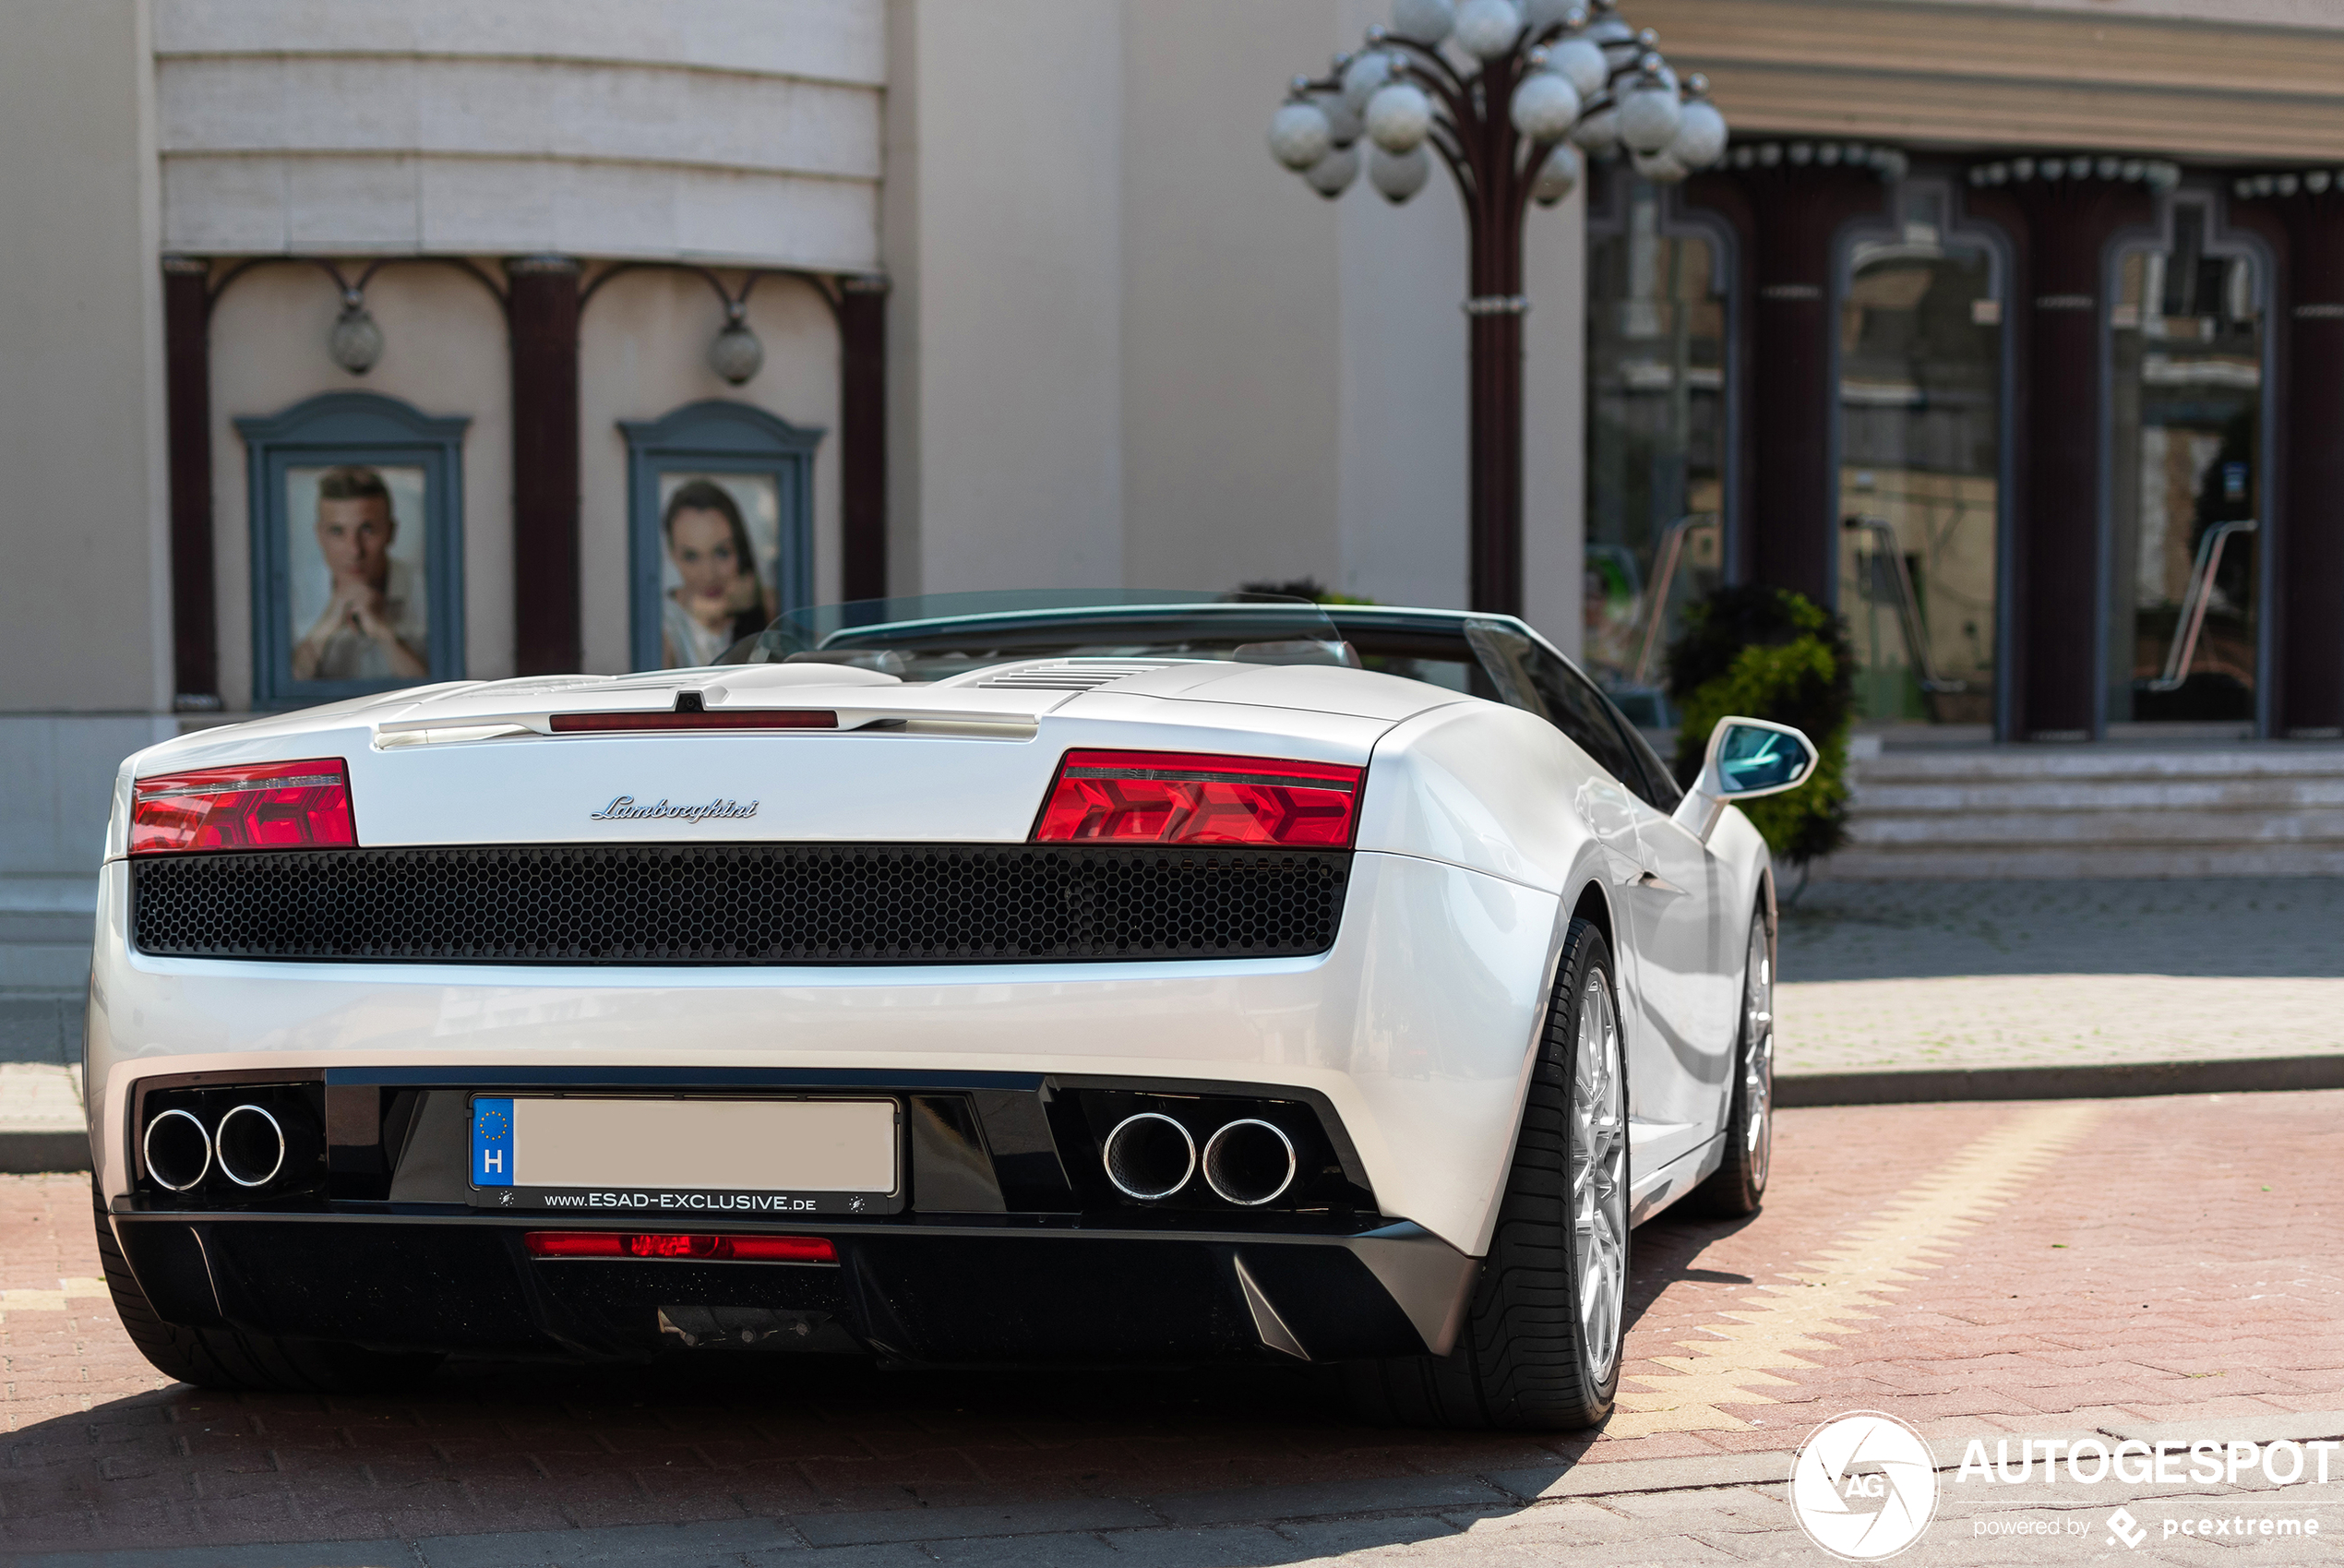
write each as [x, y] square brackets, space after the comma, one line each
[1656, 445]
[2186, 406]
[1920, 478]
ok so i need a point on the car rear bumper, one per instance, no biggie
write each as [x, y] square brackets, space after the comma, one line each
[961, 1294]
[1414, 1031]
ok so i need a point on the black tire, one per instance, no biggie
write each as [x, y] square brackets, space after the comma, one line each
[227, 1357]
[1738, 1186]
[1521, 1360]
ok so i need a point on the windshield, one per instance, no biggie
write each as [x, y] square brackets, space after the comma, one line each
[934, 636]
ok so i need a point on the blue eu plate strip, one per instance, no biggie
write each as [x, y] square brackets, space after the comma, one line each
[492, 1143]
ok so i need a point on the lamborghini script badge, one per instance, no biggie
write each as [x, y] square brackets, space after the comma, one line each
[624, 810]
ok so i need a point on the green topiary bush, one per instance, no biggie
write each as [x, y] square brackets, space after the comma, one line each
[1770, 653]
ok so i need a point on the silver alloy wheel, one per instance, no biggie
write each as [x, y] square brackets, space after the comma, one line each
[1599, 1178]
[1758, 1054]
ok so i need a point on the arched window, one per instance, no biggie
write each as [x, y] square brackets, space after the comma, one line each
[720, 507]
[357, 502]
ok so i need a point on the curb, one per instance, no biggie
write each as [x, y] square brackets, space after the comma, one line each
[2109, 1081]
[25, 1153]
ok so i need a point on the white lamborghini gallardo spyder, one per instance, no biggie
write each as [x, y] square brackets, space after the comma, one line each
[1074, 978]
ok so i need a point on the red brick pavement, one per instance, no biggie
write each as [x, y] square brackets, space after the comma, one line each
[2184, 1260]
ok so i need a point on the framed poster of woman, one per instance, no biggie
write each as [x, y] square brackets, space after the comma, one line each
[720, 537]
[356, 503]
[720, 506]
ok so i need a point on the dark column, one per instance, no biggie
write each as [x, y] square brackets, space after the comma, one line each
[1494, 355]
[862, 436]
[542, 305]
[186, 348]
[1795, 211]
[2309, 532]
[2056, 579]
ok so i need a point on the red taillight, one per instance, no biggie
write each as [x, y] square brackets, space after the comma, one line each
[736, 719]
[1181, 798]
[671, 1244]
[272, 805]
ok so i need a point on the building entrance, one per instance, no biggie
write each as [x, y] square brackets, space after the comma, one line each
[1920, 476]
[2185, 479]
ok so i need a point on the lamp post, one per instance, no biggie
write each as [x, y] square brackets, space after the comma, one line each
[1508, 96]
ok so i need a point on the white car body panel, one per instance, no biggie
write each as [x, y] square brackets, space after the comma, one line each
[1416, 1025]
[1480, 830]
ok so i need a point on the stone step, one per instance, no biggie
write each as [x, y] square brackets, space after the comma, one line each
[2017, 811]
[1971, 863]
[2147, 826]
[45, 929]
[2112, 763]
[2146, 831]
[1877, 798]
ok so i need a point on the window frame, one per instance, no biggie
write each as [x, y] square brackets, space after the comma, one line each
[714, 436]
[326, 431]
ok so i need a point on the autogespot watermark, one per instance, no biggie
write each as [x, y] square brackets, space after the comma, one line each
[2132, 1462]
[1865, 1486]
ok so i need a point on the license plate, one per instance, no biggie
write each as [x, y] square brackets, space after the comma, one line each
[686, 1158]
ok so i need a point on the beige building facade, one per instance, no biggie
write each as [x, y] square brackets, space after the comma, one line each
[939, 294]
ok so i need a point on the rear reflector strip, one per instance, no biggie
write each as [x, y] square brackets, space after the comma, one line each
[738, 719]
[1186, 797]
[269, 806]
[686, 1247]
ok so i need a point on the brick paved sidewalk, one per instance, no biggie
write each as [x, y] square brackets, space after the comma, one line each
[2013, 1268]
[1982, 976]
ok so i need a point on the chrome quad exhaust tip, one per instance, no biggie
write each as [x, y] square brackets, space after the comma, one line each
[1248, 1163]
[178, 1149]
[252, 1145]
[1149, 1156]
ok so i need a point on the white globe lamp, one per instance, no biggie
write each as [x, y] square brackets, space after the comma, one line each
[1301, 136]
[1544, 106]
[1487, 29]
[1333, 175]
[1399, 117]
[1398, 175]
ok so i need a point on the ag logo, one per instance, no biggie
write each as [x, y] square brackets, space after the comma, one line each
[1863, 1487]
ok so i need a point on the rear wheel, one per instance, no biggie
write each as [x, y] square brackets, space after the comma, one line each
[226, 1358]
[1540, 1349]
[1739, 1184]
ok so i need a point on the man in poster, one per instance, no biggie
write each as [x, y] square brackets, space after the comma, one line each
[373, 625]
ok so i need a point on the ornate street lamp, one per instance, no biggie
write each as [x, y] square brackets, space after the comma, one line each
[1509, 95]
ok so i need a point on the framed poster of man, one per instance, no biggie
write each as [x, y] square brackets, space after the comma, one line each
[720, 505]
[358, 587]
[357, 548]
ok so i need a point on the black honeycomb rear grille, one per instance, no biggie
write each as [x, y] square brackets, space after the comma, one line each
[739, 903]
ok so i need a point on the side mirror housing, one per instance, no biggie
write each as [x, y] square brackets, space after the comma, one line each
[1747, 758]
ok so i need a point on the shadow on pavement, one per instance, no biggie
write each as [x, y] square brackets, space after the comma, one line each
[840, 1452]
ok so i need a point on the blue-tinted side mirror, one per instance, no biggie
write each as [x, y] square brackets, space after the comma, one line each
[1747, 758]
[1754, 762]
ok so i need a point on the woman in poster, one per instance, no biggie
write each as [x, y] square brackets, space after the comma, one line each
[721, 598]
